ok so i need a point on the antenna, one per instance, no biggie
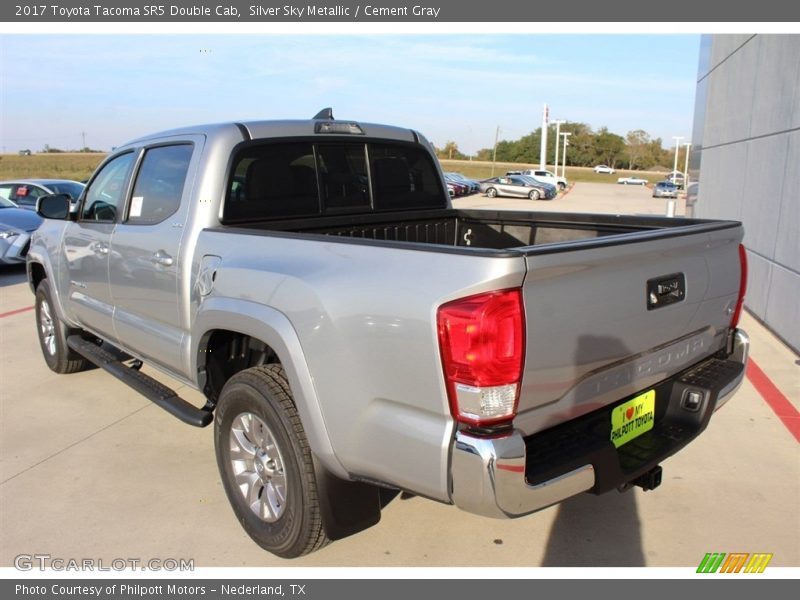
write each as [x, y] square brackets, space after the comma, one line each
[325, 113]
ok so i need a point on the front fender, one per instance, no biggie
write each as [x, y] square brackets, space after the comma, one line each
[38, 255]
[274, 329]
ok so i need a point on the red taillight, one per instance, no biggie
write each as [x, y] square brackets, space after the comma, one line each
[482, 341]
[742, 286]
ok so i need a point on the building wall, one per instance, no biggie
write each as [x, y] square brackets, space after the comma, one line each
[746, 156]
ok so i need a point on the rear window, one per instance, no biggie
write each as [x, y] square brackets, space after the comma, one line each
[404, 177]
[300, 179]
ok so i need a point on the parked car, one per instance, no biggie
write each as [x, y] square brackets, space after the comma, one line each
[632, 180]
[550, 189]
[604, 169]
[677, 178]
[547, 177]
[474, 186]
[26, 192]
[665, 189]
[461, 188]
[517, 186]
[354, 340]
[16, 227]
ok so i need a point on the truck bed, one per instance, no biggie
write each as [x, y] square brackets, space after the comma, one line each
[586, 281]
[535, 232]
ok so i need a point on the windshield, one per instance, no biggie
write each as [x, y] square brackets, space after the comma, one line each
[532, 180]
[72, 188]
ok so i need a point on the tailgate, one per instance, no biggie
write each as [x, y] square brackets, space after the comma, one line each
[594, 334]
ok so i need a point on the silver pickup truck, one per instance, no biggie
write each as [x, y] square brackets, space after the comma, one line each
[354, 335]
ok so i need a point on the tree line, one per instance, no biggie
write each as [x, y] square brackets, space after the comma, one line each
[586, 148]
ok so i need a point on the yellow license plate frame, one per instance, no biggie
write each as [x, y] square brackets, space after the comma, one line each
[631, 419]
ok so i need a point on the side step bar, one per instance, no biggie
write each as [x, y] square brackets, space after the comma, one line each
[144, 384]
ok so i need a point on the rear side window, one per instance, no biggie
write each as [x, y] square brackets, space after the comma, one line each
[26, 195]
[404, 177]
[159, 184]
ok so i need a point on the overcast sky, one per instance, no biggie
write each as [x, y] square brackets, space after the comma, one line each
[450, 87]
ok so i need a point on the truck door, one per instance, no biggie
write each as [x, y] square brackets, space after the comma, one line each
[145, 268]
[87, 246]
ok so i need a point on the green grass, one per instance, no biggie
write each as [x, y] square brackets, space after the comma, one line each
[483, 170]
[76, 166]
[79, 166]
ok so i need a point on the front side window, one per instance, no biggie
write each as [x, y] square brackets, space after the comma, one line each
[159, 184]
[106, 192]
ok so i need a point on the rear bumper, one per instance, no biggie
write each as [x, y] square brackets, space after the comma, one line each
[510, 476]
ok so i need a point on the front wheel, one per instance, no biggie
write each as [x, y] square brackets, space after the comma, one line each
[266, 464]
[561, 186]
[533, 194]
[53, 334]
[491, 192]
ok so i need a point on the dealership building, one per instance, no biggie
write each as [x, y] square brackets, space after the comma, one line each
[746, 157]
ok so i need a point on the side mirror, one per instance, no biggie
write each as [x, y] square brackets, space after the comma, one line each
[55, 206]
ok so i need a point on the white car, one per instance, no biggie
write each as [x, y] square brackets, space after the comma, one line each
[632, 181]
[604, 169]
[547, 177]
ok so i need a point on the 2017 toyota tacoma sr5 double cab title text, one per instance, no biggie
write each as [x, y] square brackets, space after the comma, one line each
[354, 335]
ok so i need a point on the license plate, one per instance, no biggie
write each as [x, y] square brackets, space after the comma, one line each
[633, 418]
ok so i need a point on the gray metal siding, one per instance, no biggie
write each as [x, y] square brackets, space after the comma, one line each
[747, 147]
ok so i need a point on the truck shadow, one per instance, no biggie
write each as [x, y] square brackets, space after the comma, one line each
[596, 531]
[589, 530]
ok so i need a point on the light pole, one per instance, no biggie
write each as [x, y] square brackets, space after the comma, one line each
[677, 139]
[565, 135]
[686, 166]
[543, 147]
[558, 131]
[494, 154]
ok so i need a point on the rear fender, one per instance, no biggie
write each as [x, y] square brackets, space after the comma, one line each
[274, 329]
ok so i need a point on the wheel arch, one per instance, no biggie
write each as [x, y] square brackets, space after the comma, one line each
[226, 318]
[38, 267]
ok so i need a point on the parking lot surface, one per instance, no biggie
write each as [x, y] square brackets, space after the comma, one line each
[90, 469]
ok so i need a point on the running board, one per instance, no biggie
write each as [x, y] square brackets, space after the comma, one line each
[144, 384]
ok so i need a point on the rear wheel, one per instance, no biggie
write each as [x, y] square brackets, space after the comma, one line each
[53, 334]
[562, 186]
[491, 192]
[265, 462]
[533, 194]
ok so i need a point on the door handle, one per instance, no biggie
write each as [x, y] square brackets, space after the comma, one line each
[163, 259]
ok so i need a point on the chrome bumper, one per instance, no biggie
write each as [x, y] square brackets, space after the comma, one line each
[488, 474]
[740, 352]
[489, 478]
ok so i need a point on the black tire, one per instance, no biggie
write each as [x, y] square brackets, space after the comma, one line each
[491, 192]
[561, 186]
[293, 526]
[53, 334]
[533, 195]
